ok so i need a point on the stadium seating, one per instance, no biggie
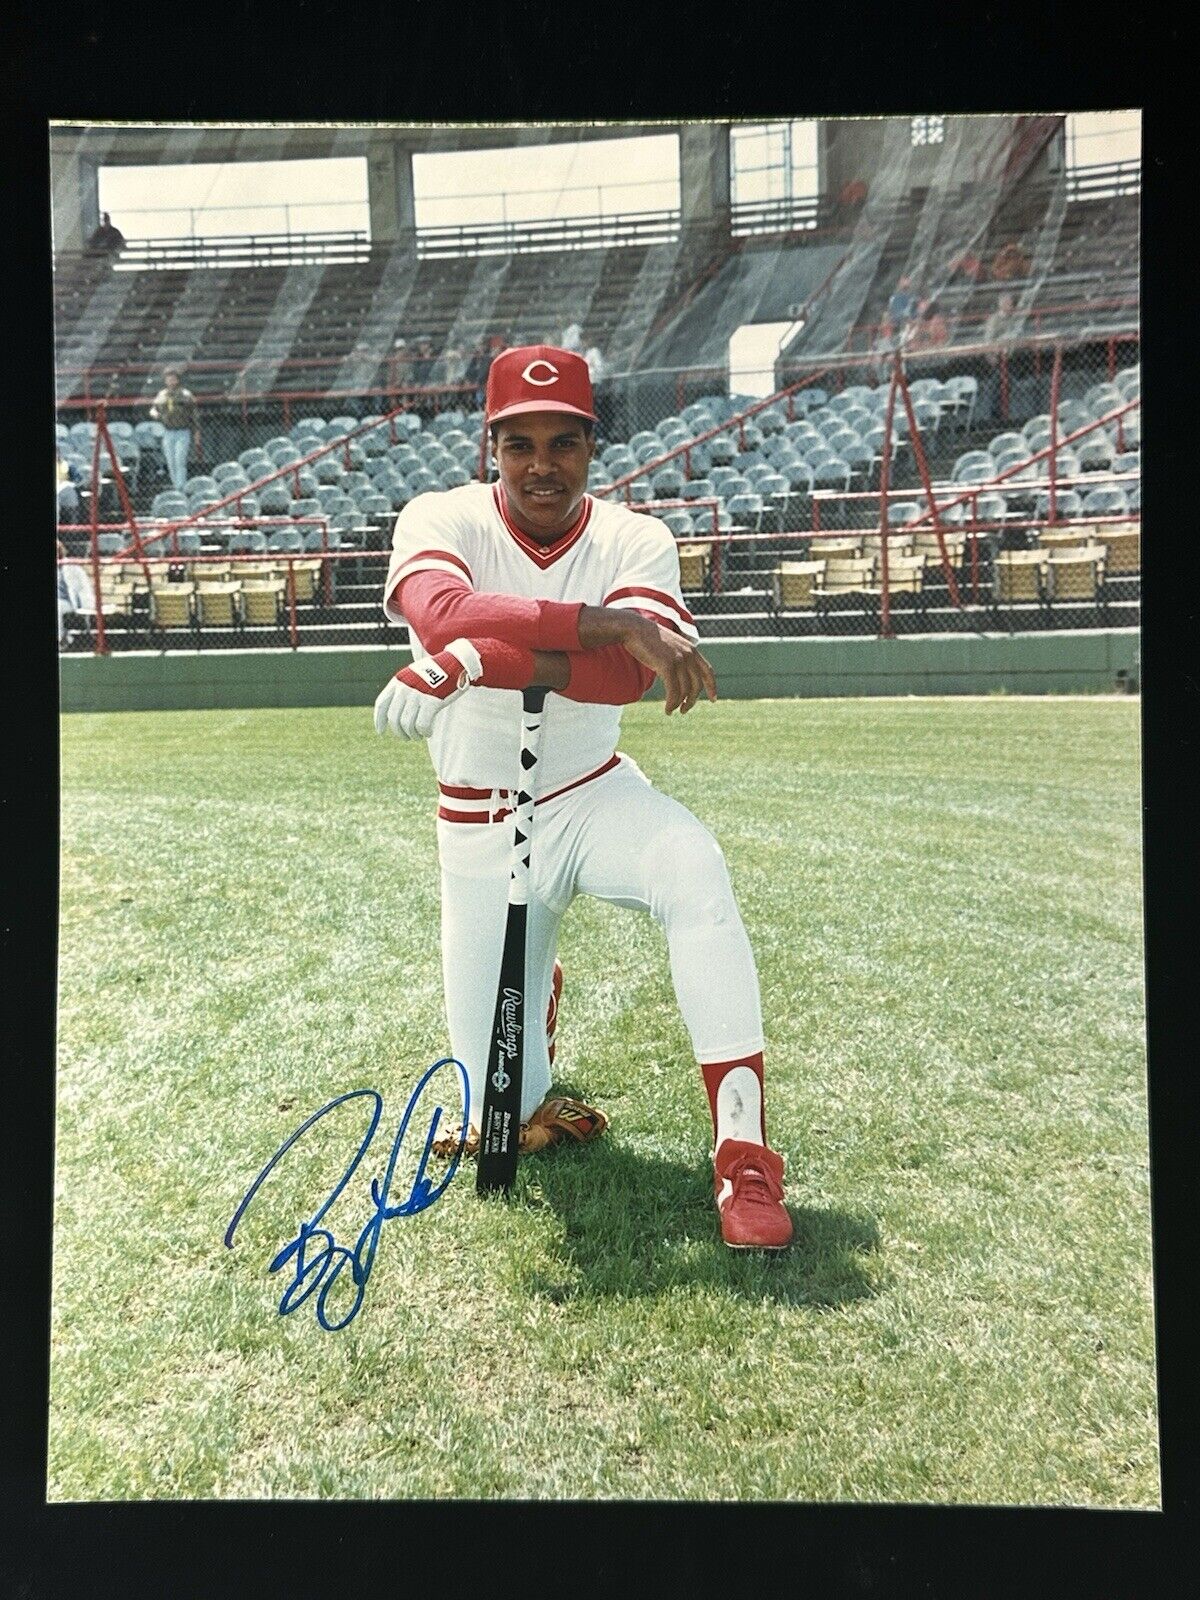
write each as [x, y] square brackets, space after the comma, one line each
[796, 584]
[1074, 574]
[1020, 575]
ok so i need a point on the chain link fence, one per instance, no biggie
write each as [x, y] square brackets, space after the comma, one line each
[1004, 496]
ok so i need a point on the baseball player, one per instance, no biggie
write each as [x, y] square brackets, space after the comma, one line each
[532, 581]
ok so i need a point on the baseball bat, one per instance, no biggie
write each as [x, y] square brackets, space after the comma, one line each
[500, 1121]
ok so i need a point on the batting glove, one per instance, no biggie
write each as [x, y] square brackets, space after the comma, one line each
[412, 699]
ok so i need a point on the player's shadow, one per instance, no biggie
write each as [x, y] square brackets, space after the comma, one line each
[636, 1224]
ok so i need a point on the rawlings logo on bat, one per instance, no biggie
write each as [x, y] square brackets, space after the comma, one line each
[510, 1027]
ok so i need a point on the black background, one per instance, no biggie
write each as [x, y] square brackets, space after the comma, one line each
[421, 61]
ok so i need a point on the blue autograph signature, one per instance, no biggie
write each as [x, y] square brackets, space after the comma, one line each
[317, 1260]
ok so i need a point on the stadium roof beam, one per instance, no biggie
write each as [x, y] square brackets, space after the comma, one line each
[78, 151]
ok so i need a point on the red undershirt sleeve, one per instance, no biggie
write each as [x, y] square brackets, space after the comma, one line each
[440, 607]
[609, 676]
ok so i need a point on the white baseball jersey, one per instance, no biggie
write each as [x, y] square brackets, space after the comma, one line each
[611, 557]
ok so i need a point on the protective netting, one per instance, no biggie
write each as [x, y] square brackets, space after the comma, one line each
[1030, 448]
[328, 394]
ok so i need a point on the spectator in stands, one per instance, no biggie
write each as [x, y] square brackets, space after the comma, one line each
[999, 330]
[880, 367]
[76, 596]
[901, 308]
[597, 368]
[422, 361]
[601, 390]
[449, 367]
[175, 407]
[106, 240]
[930, 331]
[476, 370]
[1001, 326]
[968, 265]
[1010, 261]
[67, 480]
[572, 338]
[853, 195]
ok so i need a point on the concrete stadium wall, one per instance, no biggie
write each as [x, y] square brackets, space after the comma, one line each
[1037, 663]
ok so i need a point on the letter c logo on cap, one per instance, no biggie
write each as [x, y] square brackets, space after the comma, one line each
[541, 382]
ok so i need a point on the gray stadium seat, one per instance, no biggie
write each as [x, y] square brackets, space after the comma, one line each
[1106, 503]
[902, 512]
[808, 400]
[1095, 452]
[860, 458]
[992, 507]
[286, 541]
[1067, 503]
[746, 511]
[970, 460]
[274, 499]
[830, 474]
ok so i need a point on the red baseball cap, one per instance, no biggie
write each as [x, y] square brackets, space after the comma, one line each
[539, 377]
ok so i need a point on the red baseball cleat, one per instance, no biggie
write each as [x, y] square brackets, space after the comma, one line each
[748, 1182]
[552, 1008]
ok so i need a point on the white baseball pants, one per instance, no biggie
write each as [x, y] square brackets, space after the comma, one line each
[619, 838]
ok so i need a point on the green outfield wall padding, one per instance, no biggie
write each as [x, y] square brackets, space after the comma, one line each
[1023, 663]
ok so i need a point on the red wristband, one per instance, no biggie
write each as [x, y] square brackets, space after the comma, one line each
[558, 625]
[505, 666]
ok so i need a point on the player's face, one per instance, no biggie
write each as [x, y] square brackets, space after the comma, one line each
[543, 460]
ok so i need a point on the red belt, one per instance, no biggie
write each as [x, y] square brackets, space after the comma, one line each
[491, 796]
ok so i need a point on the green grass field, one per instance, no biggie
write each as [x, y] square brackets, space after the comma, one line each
[945, 901]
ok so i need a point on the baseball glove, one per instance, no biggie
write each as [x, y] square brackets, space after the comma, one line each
[557, 1118]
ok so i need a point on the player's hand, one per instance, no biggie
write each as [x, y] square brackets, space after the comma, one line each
[685, 673]
[410, 701]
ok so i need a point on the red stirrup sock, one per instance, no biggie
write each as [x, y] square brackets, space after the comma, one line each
[733, 1111]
